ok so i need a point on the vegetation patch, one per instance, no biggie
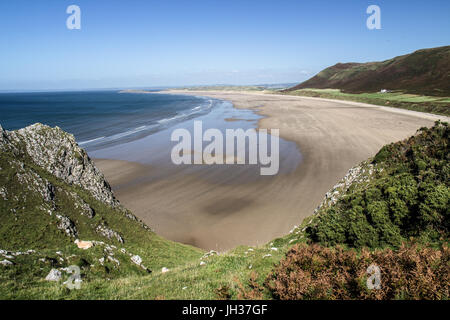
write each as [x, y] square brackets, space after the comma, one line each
[407, 197]
[396, 99]
[316, 272]
[423, 72]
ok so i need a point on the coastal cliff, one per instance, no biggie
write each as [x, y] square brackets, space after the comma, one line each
[57, 210]
[58, 153]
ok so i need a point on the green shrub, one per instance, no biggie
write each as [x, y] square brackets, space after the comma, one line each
[408, 198]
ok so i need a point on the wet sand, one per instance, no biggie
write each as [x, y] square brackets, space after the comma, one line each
[215, 208]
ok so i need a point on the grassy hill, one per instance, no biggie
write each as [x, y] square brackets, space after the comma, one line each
[42, 215]
[424, 72]
[391, 210]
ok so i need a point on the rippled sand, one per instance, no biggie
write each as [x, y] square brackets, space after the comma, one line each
[220, 208]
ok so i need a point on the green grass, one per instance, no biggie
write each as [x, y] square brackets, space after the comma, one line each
[25, 225]
[231, 88]
[430, 104]
[224, 271]
[406, 197]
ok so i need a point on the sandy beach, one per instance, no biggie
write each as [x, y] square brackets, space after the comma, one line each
[216, 210]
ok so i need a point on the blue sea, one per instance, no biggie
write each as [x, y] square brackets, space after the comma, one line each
[99, 119]
[135, 126]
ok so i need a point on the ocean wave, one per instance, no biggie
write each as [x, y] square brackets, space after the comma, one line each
[117, 136]
[89, 141]
[183, 116]
[162, 123]
[177, 117]
[130, 132]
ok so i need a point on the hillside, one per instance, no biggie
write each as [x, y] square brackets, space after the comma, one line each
[400, 194]
[424, 72]
[391, 210]
[52, 196]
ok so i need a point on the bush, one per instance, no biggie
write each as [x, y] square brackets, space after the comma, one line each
[408, 198]
[316, 272]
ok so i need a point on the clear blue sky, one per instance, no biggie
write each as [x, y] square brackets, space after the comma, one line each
[132, 43]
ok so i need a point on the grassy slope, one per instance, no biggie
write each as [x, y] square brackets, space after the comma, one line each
[24, 225]
[405, 197]
[430, 104]
[222, 276]
[423, 156]
[30, 228]
[219, 278]
[424, 72]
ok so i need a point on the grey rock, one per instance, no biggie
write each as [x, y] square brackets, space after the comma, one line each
[54, 275]
[358, 174]
[33, 182]
[84, 208]
[114, 260]
[136, 259]
[108, 233]
[67, 226]
[57, 152]
[4, 193]
[6, 263]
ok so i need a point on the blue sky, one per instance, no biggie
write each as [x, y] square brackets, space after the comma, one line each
[168, 43]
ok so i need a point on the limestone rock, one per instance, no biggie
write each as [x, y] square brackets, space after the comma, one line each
[136, 259]
[54, 275]
[108, 233]
[4, 193]
[67, 226]
[84, 208]
[6, 263]
[57, 152]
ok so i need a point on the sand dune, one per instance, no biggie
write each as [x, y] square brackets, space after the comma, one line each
[220, 209]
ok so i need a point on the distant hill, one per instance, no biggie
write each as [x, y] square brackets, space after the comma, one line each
[425, 71]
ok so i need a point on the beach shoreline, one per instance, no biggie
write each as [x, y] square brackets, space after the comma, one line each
[333, 136]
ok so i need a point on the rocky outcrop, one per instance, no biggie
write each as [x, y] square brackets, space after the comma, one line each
[31, 153]
[108, 233]
[58, 153]
[67, 225]
[2, 135]
[34, 182]
[54, 275]
[358, 174]
[80, 204]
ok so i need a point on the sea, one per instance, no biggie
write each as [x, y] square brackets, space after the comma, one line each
[133, 126]
[100, 119]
